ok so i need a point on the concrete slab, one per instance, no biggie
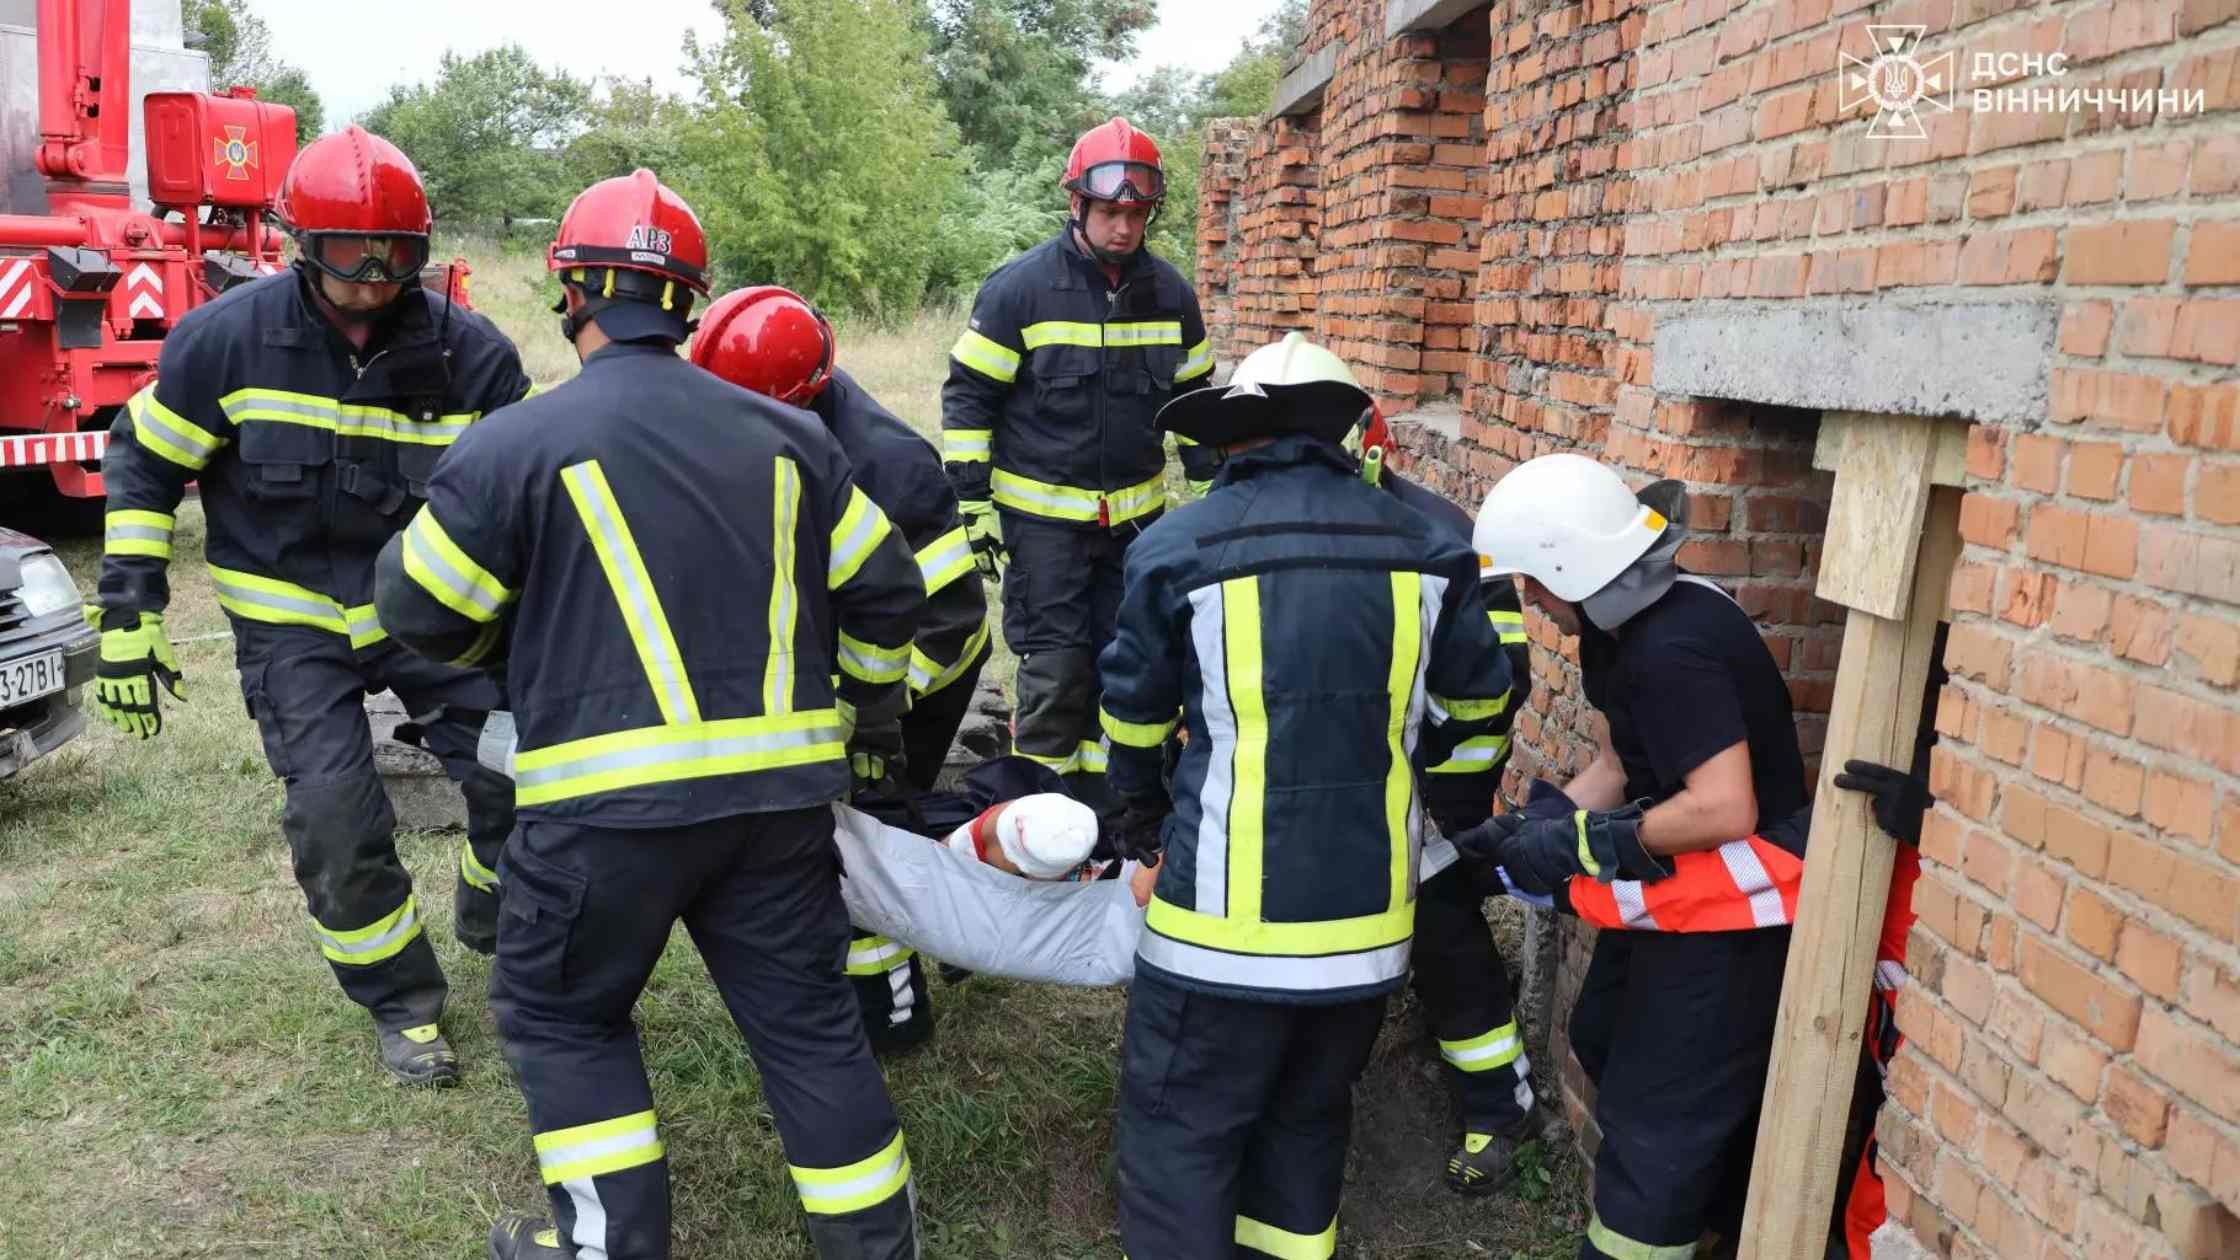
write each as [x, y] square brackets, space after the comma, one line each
[1300, 92]
[1985, 361]
[1402, 16]
[424, 796]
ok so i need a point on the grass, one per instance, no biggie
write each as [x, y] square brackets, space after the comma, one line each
[179, 1075]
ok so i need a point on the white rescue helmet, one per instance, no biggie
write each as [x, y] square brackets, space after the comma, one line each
[1291, 386]
[1567, 521]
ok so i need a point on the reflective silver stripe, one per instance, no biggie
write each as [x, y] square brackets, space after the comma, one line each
[1749, 875]
[816, 1192]
[365, 625]
[1065, 501]
[139, 533]
[323, 611]
[1154, 333]
[1207, 631]
[1633, 909]
[849, 553]
[406, 924]
[877, 954]
[777, 681]
[1259, 971]
[898, 984]
[945, 559]
[590, 1232]
[424, 553]
[600, 1147]
[1501, 1051]
[641, 609]
[1431, 596]
[348, 420]
[871, 662]
[1476, 753]
[687, 747]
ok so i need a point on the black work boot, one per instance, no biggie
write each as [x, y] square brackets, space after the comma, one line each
[1486, 1162]
[474, 917]
[519, 1236]
[418, 1055]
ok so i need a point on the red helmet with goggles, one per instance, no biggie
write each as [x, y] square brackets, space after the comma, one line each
[768, 340]
[1115, 162]
[356, 208]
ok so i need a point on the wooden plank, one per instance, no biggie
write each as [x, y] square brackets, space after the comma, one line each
[1874, 519]
[1795, 1175]
[1950, 469]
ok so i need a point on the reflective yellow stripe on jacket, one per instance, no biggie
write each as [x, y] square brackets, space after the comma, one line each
[1073, 503]
[278, 603]
[279, 406]
[633, 590]
[1223, 937]
[132, 532]
[165, 433]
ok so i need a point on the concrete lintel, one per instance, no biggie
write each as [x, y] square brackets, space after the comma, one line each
[1985, 360]
[1443, 418]
[1300, 92]
[1402, 16]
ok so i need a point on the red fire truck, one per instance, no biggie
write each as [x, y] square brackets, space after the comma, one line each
[90, 279]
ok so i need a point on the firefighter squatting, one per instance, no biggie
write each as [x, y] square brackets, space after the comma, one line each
[687, 631]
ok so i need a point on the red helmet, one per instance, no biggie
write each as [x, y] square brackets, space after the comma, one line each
[634, 223]
[769, 340]
[355, 205]
[1114, 162]
[1376, 433]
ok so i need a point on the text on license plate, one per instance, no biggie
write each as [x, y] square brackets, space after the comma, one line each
[29, 678]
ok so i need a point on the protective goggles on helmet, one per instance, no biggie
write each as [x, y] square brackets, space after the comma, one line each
[365, 258]
[1122, 181]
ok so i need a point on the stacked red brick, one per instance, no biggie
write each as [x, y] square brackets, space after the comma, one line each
[2073, 1084]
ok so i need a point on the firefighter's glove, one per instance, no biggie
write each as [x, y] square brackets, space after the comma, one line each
[134, 660]
[1542, 854]
[875, 754]
[1900, 799]
[1480, 846]
[983, 530]
[1139, 830]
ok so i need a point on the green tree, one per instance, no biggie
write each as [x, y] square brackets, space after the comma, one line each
[630, 125]
[488, 135]
[238, 41]
[1012, 71]
[823, 159]
[1246, 86]
[240, 48]
[292, 88]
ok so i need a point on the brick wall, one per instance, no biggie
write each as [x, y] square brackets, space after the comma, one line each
[2071, 1084]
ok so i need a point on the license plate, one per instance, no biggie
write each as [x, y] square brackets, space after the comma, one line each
[30, 678]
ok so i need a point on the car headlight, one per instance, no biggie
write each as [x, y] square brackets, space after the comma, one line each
[46, 585]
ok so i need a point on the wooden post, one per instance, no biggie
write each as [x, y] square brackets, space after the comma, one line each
[1892, 541]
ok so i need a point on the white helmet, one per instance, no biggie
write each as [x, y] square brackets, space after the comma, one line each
[1292, 386]
[1567, 521]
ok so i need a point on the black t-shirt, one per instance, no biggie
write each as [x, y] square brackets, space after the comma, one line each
[1685, 679]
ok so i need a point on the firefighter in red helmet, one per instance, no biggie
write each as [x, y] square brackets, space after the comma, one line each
[675, 572]
[311, 406]
[772, 341]
[1047, 431]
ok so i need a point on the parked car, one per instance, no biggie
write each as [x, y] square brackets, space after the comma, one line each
[47, 652]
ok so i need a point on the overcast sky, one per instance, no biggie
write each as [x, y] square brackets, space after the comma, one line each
[351, 66]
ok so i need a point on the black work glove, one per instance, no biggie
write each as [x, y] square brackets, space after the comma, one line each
[1542, 854]
[1480, 846]
[875, 754]
[1900, 799]
[1140, 826]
